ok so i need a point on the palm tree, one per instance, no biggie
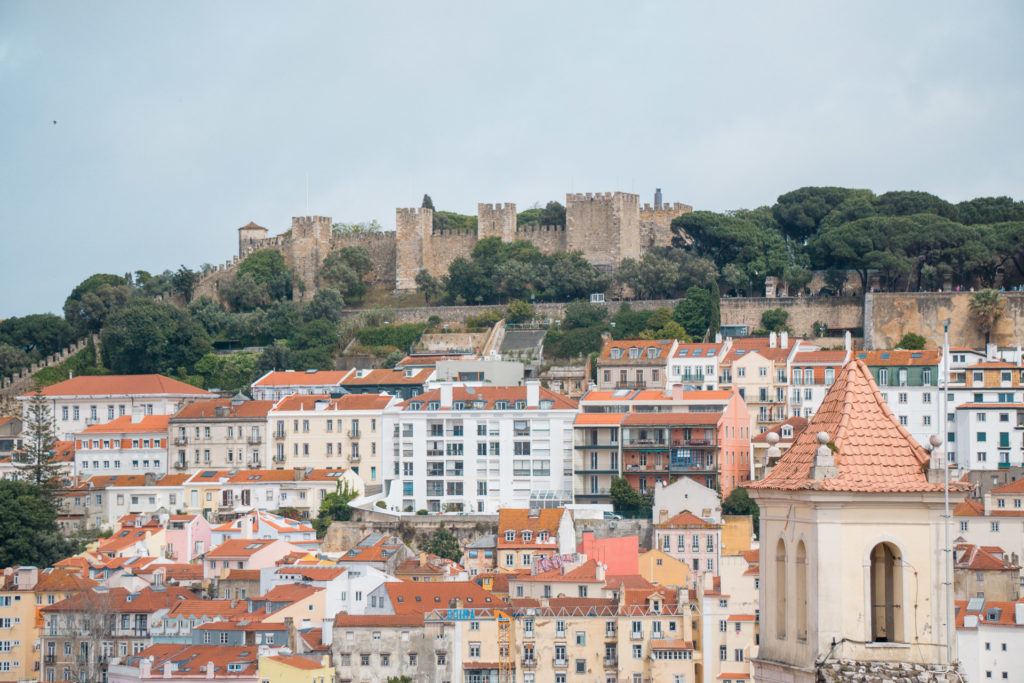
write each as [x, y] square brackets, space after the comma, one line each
[986, 309]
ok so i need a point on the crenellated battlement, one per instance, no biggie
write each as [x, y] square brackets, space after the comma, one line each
[598, 196]
[450, 232]
[533, 227]
[496, 207]
[669, 207]
[415, 211]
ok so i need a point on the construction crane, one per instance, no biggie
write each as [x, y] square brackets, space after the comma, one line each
[506, 665]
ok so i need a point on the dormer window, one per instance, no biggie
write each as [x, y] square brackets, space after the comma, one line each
[616, 353]
[546, 404]
[510, 536]
[459, 405]
[415, 405]
[787, 431]
[542, 536]
[652, 352]
[527, 536]
[433, 405]
[634, 352]
[501, 405]
[520, 405]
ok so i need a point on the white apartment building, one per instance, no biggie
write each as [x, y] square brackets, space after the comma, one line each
[219, 433]
[811, 375]
[133, 444]
[695, 366]
[83, 401]
[277, 384]
[456, 449]
[990, 640]
[987, 436]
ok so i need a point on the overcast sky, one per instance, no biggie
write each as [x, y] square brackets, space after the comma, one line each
[177, 122]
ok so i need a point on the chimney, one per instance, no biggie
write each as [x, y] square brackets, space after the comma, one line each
[446, 394]
[773, 340]
[145, 667]
[532, 393]
[138, 412]
[150, 479]
[971, 620]
[784, 340]
[987, 501]
[167, 669]
[599, 574]
[848, 341]
[209, 670]
[1018, 613]
[26, 578]
[991, 351]
[327, 632]
[718, 337]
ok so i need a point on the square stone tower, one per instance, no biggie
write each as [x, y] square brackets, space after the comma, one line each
[248, 235]
[496, 220]
[604, 226]
[412, 232]
[305, 253]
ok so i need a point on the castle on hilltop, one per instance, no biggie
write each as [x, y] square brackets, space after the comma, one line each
[605, 227]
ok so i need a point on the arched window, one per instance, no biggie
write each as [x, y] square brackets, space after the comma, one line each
[886, 594]
[801, 591]
[780, 589]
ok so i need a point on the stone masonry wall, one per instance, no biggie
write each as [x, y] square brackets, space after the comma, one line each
[443, 247]
[381, 248]
[656, 224]
[550, 239]
[496, 220]
[411, 228]
[603, 226]
[889, 315]
[845, 670]
[840, 313]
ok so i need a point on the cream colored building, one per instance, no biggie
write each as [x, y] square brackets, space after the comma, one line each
[335, 433]
[852, 547]
[219, 433]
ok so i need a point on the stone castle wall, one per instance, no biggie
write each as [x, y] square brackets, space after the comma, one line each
[890, 315]
[442, 247]
[549, 239]
[381, 247]
[839, 313]
[656, 223]
[603, 226]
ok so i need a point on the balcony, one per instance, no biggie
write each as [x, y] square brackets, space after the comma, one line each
[181, 441]
[559, 663]
[611, 635]
[636, 635]
[529, 663]
[255, 439]
[49, 659]
[354, 434]
[586, 492]
[599, 469]
[1004, 465]
[691, 466]
[631, 385]
[279, 434]
[646, 468]
[179, 465]
[278, 458]
[355, 457]
[611, 662]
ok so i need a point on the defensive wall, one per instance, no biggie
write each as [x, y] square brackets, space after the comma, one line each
[889, 315]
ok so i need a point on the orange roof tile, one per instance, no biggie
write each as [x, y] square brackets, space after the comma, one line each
[599, 419]
[298, 662]
[1016, 486]
[308, 402]
[240, 547]
[826, 357]
[121, 600]
[1002, 613]
[706, 350]
[585, 573]
[899, 357]
[289, 592]
[405, 619]
[799, 424]
[872, 451]
[208, 410]
[415, 597]
[149, 424]
[297, 378]
[243, 575]
[386, 377]
[191, 661]
[519, 520]
[994, 365]
[661, 346]
[686, 520]
[207, 608]
[982, 558]
[670, 419]
[122, 385]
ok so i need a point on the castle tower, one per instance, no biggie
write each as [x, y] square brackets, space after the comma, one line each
[305, 253]
[412, 233]
[247, 235]
[496, 220]
[656, 221]
[604, 226]
[853, 561]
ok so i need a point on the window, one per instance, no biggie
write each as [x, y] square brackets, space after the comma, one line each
[801, 594]
[886, 594]
[723, 653]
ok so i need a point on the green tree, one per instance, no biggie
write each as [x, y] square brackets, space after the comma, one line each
[799, 213]
[37, 335]
[429, 286]
[276, 356]
[443, 543]
[269, 272]
[739, 502]
[184, 282]
[152, 337]
[37, 465]
[93, 300]
[345, 270]
[581, 314]
[334, 508]
[519, 311]
[228, 372]
[427, 202]
[775, 320]
[911, 342]
[987, 307]
[12, 359]
[697, 312]
[28, 526]
[327, 304]
[370, 227]
[628, 500]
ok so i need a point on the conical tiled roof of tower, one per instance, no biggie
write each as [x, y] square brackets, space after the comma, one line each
[873, 452]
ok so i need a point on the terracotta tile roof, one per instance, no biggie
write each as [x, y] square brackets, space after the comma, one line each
[243, 575]
[191, 661]
[741, 617]
[491, 394]
[662, 348]
[207, 608]
[266, 476]
[585, 573]
[289, 592]
[313, 573]
[257, 518]
[656, 395]
[990, 406]
[993, 612]
[120, 600]
[1016, 486]
[599, 419]
[181, 571]
[7, 419]
[240, 547]
[686, 520]
[799, 424]
[744, 346]
[519, 520]
[739, 676]
[406, 619]
[825, 357]
[429, 360]
[59, 580]
[899, 357]
[308, 402]
[122, 385]
[298, 378]
[409, 597]
[386, 377]
[973, 508]
[675, 644]
[994, 365]
[873, 452]
[208, 410]
[63, 451]
[298, 662]
[372, 548]
[151, 424]
[701, 418]
[982, 558]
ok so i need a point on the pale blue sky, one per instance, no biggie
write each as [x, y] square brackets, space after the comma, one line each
[180, 121]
